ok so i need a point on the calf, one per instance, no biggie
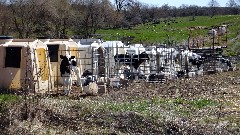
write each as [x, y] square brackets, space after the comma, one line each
[68, 66]
[224, 64]
[75, 69]
[88, 77]
[131, 60]
[180, 73]
[192, 58]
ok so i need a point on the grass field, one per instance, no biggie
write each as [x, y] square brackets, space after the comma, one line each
[176, 28]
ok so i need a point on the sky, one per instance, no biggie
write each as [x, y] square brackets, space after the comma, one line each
[178, 3]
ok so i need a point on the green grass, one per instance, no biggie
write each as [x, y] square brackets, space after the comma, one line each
[7, 98]
[177, 30]
[155, 106]
[201, 103]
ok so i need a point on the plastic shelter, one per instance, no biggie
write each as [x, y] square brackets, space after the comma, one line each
[24, 64]
[57, 47]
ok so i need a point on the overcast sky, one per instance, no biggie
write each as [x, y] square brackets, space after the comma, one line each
[178, 3]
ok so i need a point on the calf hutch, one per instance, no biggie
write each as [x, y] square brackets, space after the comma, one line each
[113, 48]
[92, 56]
[24, 64]
[57, 47]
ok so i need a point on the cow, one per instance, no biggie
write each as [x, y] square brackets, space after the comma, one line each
[218, 31]
[131, 60]
[76, 70]
[68, 67]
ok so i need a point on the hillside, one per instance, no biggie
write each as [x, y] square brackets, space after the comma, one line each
[176, 30]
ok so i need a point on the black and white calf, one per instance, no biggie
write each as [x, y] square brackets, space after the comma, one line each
[88, 77]
[193, 58]
[193, 64]
[131, 60]
[223, 64]
[68, 67]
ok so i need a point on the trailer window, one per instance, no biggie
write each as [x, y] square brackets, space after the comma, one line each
[13, 57]
[53, 52]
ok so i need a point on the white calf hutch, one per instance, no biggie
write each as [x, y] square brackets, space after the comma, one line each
[112, 48]
[135, 49]
[57, 47]
[92, 56]
[24, 64]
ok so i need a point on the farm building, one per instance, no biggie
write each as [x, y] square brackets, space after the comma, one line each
[57, 47]
[25, 64]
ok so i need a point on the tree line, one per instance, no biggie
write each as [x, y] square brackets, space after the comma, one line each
[64, 18]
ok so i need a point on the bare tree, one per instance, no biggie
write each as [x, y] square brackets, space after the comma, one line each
[121, 4]
[149, 13]
[233, 7]
[213, 4]
[165, 11]
[60, 11]
[44, 20]
[108, 13]
[238, 2]
[5, 17]
[23, 14]
[231, 3]
[92, 15]
[133, 13]
[60, 18]
[193, 11]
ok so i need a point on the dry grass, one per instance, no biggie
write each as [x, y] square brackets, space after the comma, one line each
[204, 105]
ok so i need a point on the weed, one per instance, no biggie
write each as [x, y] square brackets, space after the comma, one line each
[201, 103]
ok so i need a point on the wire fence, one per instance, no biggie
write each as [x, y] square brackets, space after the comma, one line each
[111, 60]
